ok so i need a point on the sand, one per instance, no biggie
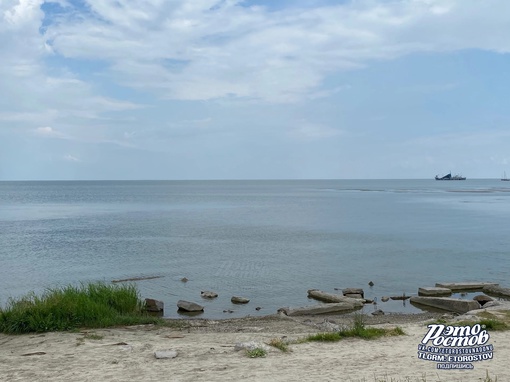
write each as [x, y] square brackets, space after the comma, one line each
[206, 353]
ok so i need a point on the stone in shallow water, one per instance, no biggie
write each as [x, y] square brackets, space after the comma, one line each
[434, 291]
[457, 287]
[189, 306]
[447, 303]
[240, 300]
[155, 306]
[208, 294]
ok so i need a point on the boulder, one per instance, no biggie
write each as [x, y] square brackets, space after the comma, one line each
[353, 291]
[208, 294]
[251, 345]
[496, 290]
[467, 286]
[354, 295]
[500, 306]
[483, 299]
[327, 297]
[447, 303]
[239, 300]
[322, 308]
[154, 306]
[434, 291]
[189, 306]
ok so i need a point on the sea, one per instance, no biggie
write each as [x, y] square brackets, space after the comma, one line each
[266, 240]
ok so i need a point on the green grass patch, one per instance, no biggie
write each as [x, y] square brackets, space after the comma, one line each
[494, 324]
[256, 353]
[487, 321]
[95, 305]
[358, 329]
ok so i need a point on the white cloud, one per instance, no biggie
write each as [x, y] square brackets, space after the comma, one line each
[71, 158]
[211, 49]
[48, 131]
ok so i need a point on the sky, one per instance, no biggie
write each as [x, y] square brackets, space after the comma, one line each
[254, 89]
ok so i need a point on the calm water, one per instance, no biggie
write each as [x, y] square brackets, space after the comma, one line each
[270, 241]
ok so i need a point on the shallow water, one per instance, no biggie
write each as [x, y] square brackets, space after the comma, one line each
[270, 241]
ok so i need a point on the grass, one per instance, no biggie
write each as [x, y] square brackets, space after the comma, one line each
[488, 321]
[256, 353]
[279, 344]
[358, 329]
[95, 305]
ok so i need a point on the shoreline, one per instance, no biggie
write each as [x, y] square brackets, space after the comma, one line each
[205, 352]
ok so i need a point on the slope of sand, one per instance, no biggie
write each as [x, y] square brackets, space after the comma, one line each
[206, 353]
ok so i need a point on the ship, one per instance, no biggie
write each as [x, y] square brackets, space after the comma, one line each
[450, 177]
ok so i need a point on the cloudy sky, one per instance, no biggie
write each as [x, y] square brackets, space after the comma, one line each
[254, 89]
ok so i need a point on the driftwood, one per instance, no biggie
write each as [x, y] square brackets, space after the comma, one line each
[137, 279]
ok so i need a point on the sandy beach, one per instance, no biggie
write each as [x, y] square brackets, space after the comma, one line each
[206, 352]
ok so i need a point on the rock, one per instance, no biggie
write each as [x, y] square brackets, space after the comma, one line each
[322, 308]
[327, 326]
[250, 346]
[239, 300]
[327, 297]
[447, 303]
[165, 354]
[184, 280]
[499, 309]
[370, 283]
[258, 308]
[385, 298]
[434, 291]
[378, 312]
[354, 295]
[189, 306]
[498, 306]
[155, 306]
[353, 291]
[483, 299]
[228, 311]
[208, 294]
[496, 290]
[403, 297]
[469, 286]
[491, 304]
